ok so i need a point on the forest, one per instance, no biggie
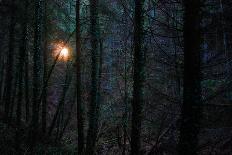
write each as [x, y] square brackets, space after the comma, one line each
[115, 77]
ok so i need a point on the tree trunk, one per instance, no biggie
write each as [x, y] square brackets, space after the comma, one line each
[20, 77]
[93, 108]
[80, 117]
[191, 108]
[138, 78]
[2, 58]
[26, 87]
[2, 76]
[125, 115]
[36, 73]
[9, 65]
[45, 61]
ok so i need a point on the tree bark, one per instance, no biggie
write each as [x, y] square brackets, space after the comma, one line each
[80, 117]
[138, 79]
[26, 90]
[22, 53]
[10, 61]
[45, 61]
[191, 108]
[36, 73]
[94, 105]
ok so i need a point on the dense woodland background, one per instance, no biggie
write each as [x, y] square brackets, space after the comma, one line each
[148, 77]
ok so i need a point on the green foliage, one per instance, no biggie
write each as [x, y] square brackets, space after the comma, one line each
[211, 84]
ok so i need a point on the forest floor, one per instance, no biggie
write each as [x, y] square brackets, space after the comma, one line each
[7, 143]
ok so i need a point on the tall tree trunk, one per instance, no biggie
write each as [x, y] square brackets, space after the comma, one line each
[20, 77]
[14, 93]
[36, 73]
[125, 115]
[2, 68]
[191, 108]
[2, 58]
[93, 108]
[80, 118]
[225, 42]
[138, 78]
[26, 87]
[45, 61]
[10, 60]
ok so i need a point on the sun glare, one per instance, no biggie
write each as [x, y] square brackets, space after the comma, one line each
[61, 51]
[64, 52]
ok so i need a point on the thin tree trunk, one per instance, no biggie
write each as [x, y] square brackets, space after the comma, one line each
[223, 23]
[2, 76]
[10, 60]
[191, 108]
[14, 93]
[20, 77]
[125, 116]
[2, 61]
[80, 117]
[138, 78]
[45, 61]
[36, 74]
[26, 90]
[93, 108]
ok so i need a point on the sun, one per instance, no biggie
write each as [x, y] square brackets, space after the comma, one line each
[64, 53]
[61, 51]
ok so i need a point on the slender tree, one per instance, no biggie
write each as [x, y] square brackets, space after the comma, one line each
[138, 78]
[191, 108]
[125, 115]
[26, 87]
[10, 60]
[80, 121]
[2, 75]
[20, 75]
[36, 73]
[45, 61]
[94, 105]
[2, 57]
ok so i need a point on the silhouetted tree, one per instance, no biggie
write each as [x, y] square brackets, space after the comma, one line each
[36, 73]
[192, 102]
[80, 121]
[22, 53]
[138, 79]
[10, 60]
[94, 104]
[45, 66]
